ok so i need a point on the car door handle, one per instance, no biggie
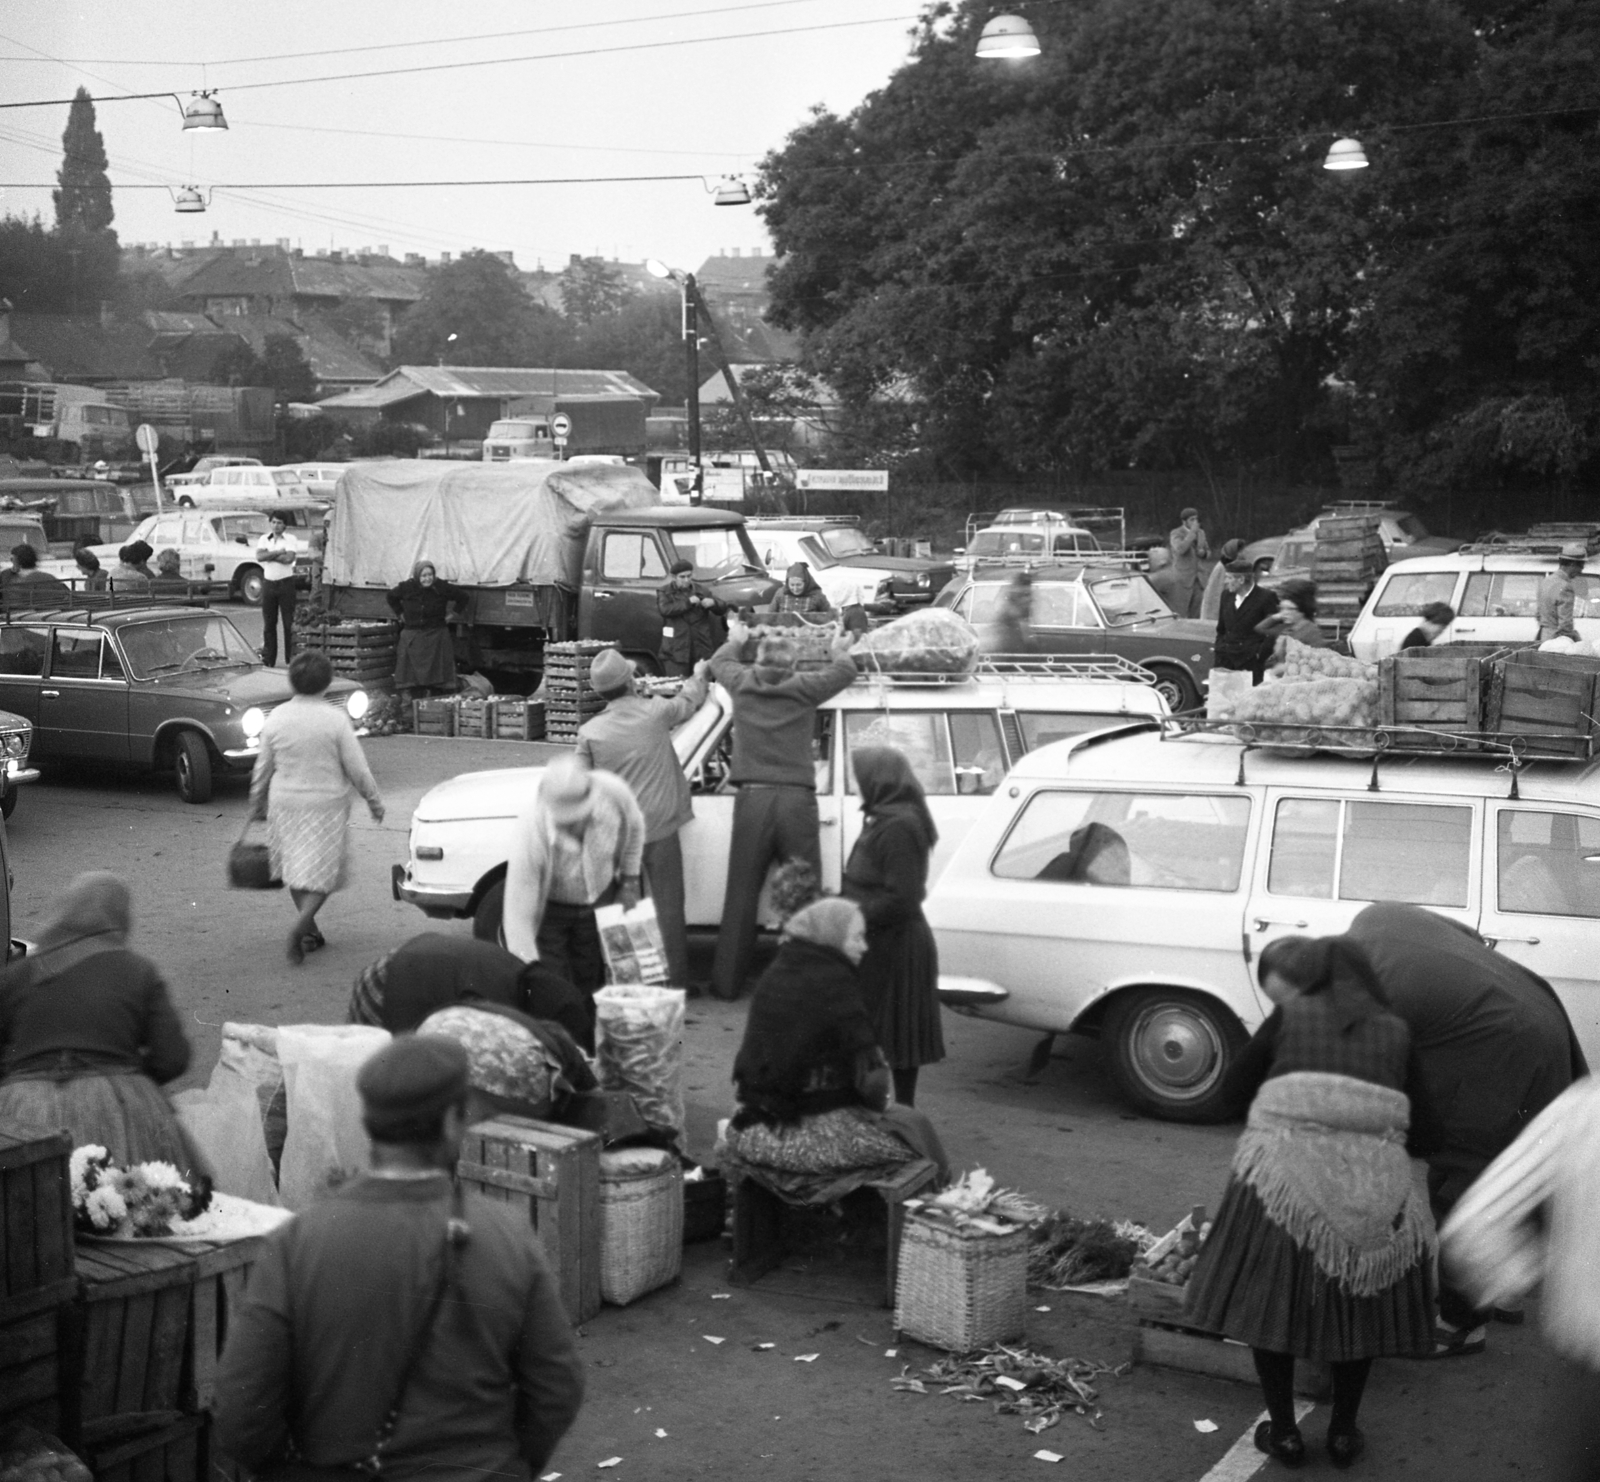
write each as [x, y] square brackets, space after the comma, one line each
[827, 823]
[600, 596]
[51, 694]
[1527, 941]
[1261, 923]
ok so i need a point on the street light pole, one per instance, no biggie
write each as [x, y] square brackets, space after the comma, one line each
[691, 358]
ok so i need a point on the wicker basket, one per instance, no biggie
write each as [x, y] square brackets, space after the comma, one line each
[641, 1223]
[961, 1289]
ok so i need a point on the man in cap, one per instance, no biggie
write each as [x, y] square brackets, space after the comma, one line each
[1558, 593]
[394, 1293]
[774, 770]
[578, 845]
[632, 737]
[1246, 604]
[1189, 548]
[692, 625]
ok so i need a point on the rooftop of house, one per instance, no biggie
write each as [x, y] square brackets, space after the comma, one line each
[477, 381]
[82, 347]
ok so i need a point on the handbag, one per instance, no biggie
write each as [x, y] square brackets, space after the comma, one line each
[250, 865]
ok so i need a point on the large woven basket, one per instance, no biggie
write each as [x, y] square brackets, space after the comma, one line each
[960, 1289]
[641, 1223]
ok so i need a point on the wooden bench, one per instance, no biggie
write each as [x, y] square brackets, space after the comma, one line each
[758, 1223]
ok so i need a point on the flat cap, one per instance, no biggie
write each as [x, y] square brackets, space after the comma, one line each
[1574, 550]
[680, 566]
[409, 1084]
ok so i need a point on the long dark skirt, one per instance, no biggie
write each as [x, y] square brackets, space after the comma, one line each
[900, 982]
[425, 658]
[1254, 1284]
[126, 1113]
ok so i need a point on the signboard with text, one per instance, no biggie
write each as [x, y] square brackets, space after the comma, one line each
[843, 480]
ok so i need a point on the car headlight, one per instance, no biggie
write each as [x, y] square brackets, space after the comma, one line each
[924, 579]
[358, 704]
[15, 743]
[252, 721]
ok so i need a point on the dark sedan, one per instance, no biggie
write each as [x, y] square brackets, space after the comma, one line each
[155, 688]
[1083, 609]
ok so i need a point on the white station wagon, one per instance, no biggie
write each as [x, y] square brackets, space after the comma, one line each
[1224, 848]
[961, 739]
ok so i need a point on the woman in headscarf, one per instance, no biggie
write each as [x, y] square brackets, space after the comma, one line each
[887, 876]
[88, 1033]
[424, 658]
[801, 594]
[1322, 1247]
[814, 1120]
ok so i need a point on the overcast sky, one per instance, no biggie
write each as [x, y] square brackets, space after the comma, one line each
[646, 106]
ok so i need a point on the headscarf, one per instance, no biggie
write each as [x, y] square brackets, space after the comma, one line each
[94, 914]
[889, 789]
[803, 570]
[1335, 966]
[416, 571]
[826, 922]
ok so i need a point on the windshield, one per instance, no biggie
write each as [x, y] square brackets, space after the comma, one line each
[1128, 599]
[169, 645]
[1007, 543]
[514, 430]
[241, 527]
[718, 551]
[846, 540]
[283, 477]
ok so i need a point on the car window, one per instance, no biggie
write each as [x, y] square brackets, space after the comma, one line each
[75, 655]
[1547, 864]
[1166, 841]
[1516, 594]
[1056, 605]
[813, 551]
[716, 551]
[1007, 543]
[631, 555]
[977, 750]
[1411, 526]
[166, 645]
[168, 530]
[847, 540]
[1041, 727]
[1414, 852]
[1406, 593]
[1127, 599]
[242, 529]
[921, 736]
[110, 664]
[22, 649]
[284, 478]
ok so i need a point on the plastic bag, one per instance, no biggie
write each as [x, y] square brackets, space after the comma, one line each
[632, 944]
[326, 1143]
[251, 1051]
[639, 1044]
[224, 1122]
[930, 641]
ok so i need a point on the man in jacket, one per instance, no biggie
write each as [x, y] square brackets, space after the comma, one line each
[580, 844]
[1558, 593]
[775, 810]
[388, 1288]
[692, 625]
[1189, 548]
[1246, 604]
[632, 737]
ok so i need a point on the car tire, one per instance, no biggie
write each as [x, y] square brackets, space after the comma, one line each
[1177, 688]
[8, 801]
[1171, 1051]
[250, 584]
[487, 921]
[191, 762]
[185, 501]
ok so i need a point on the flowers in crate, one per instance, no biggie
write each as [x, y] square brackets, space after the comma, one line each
[142, 1200]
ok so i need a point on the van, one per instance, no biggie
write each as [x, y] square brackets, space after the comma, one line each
[1223, 849]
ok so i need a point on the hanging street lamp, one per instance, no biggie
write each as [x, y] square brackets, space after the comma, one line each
[203, 114]
[1346, 154]
[1007, 36]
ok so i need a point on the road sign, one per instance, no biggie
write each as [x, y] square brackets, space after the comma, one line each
[560, 427]
[843, 480]
[147, 437]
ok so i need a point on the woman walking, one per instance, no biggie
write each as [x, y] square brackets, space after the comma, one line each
[425, 658]
[887, 876]
[88, 1033]
[1322, 1247]
[310, 760]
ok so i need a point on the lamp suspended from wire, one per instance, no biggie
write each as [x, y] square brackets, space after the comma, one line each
[1007, 36]
[1346, 154]
[732, 191]
[190, 200]
[202, 113]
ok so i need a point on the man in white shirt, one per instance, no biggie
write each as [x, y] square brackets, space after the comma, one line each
[276, 556]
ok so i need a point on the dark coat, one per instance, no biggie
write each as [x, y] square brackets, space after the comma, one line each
[418, 606]
[697, 632]
[1239, 645]
[1492, 1043]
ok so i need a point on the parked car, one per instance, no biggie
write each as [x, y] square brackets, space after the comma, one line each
[153, 688]
[1045, 540]
[319, 479]
[1108, 523]
[1226, 852]
[1403, 536]
[1080, 609]
[217, 546]
[1493, 589]
[206, 466]
[16, 741]
[960, 739]
[847, 565]
[252, 487]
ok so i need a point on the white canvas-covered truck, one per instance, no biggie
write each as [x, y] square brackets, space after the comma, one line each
[547, 552]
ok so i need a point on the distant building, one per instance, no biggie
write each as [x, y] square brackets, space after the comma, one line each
[734, 286]
[85, 349]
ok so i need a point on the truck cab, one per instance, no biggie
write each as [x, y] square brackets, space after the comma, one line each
[518, 438]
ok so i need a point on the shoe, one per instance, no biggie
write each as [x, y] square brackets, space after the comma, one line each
[1345, 1446]
[1290, 1449]
[313, 940]
[1451, 1342]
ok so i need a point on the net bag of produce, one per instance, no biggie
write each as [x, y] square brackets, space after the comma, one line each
[639, 1044]
[932, 641]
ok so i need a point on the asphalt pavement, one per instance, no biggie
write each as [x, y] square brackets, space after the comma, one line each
[734, 1409]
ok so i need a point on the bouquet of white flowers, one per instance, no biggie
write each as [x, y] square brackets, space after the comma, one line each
[142, 1200]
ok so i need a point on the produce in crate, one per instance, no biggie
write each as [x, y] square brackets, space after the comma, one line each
[932, 641]
[1172, 1258]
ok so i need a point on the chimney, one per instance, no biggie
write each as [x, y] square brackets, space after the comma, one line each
[238, 241]
[255, 241]
[187, 244]
[574, 259]
[444, 258]
[383, 249]
[416, 260]
[283, 243]
[507, 259]
[336, 254]
[216, 239]
[735, 251]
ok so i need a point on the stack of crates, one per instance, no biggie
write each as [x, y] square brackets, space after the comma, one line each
[362, 651]
[1349, 558]
[569, 699]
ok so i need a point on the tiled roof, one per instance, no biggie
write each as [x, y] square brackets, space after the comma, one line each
[272, 274]
[746, 274]
[165, 322]
[78, 347]
[332, 358]
[408, 381]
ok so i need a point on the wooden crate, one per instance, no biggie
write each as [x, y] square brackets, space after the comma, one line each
[36, 1246]
[1549, 696]
[512, 718]
[433, 717]
[127, 1340]
[220, 1273]
[174, 1449]
[554, 1174]
[30, 1369]
[472, 717]
[1436, 689]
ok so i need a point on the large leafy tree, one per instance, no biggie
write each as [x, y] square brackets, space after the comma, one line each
[478, 299]
[591, 288]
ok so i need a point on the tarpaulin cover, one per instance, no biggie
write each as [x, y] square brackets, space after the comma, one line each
[481, 524]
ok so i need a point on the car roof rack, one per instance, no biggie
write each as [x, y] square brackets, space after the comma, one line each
[85, 606]
[1534, 543]
[1063, 666]
[809, 520]
[1064, 564]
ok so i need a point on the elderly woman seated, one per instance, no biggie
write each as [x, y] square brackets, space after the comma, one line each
[814, 1120]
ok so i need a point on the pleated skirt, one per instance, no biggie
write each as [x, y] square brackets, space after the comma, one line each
[1252, 1283]
[307, 843]
[125, 1113]
[900, 982]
